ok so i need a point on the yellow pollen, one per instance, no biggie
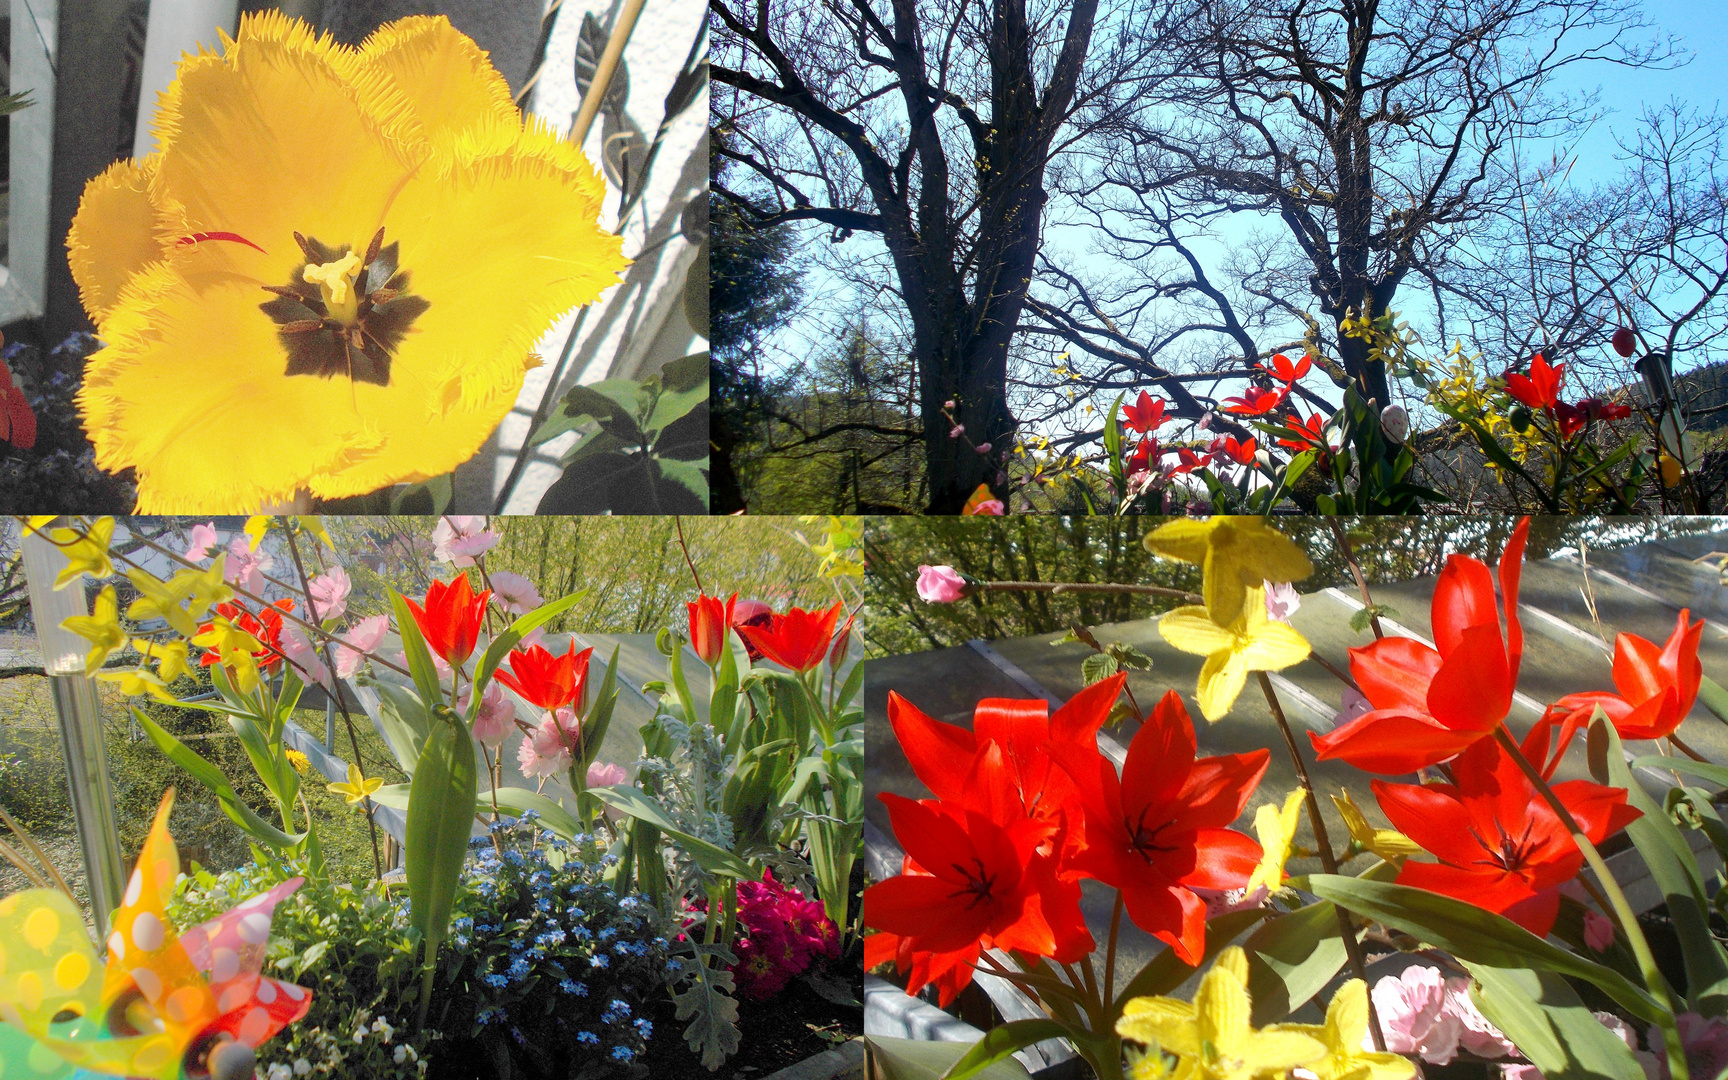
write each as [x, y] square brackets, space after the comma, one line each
[336, 281]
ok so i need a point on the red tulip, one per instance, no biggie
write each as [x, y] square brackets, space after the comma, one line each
[710, 622]
[1242, 453]
[751, 613]
[451, 619]
[1187, 461]
[1255, 401]
[1140, 460]
[265, 626]
[548, 681]
[1571, 418]
[1306, 434]
[1145, 414]
[1500, 845]
[1158, 832]
[17, 421]
[797, 640]
[1286, 372]
[1430, 704]
[1657, 686]
[1624, 342]
[1541, 388]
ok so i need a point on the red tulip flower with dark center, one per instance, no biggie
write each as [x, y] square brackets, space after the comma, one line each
[1255, 401]
[1541, 388]
[1500, 845]
[1157, 832]
[1242, 453]
[1657, 684]
[1286, 372]
[710, 622]
[451, 618]
[1432, 703]
[1144, 414]
[797, 640]
[548, 681]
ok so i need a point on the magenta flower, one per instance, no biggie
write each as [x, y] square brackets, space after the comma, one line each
[940, 584]
[459, 539]
[1598, 931]
[328, 594]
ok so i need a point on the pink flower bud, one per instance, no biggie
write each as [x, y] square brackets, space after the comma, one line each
[940, 584]
[949, 404]
[982, 448]
[957, 431]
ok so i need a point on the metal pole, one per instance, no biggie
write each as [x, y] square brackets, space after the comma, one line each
[330, 724]
[80, 725]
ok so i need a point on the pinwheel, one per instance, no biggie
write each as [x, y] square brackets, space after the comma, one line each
[166, 1006]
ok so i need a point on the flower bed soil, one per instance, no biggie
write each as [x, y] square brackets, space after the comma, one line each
[781, 1031]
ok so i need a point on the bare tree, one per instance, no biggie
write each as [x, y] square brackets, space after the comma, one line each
[931, 125]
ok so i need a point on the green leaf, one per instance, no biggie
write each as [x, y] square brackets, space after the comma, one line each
[1096, 668]
[513, 635]
[403, 718]
[559, 821]
[707, 1003]
[11, 103]
[418, 656]
[710, 857]
[211, 777]
[435, 842]
[917, 1059]
[1716, 774]
[1001, 1042]
[1473, 934]
[686, 473]
[1714, 697]
[849, 689]
[684, 385]
[1672, 866]
[1290, 958]
[1128, 656]
[1362, 618]
[600, 717]
[1550, 1025]
[428, 498]
[1166, 971]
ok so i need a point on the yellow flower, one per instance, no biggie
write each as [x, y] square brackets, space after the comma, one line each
[236, 648]
[1277, 828]
[300, 762]
[137, 683]
[357, 787]
[86, 551]
[259, 524]
[1252, 643]
[315, 526]
[333, 273]
[101, 628]
[35, 522]
[1389, 844]
[159, 599]
[1212, 1034]
[1345, 1028]
[1235, 554]
[170, 657]
[207, 586]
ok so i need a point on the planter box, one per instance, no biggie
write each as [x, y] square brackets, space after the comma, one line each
[845, 1062]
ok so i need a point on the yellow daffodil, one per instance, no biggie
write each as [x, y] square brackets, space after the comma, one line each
[302, 764]
[208, 586]
[1253, 642]
[1389, 844]
[332, 274]
[101, 628]
[1343, 1033]
[170, 657]
[1276, 827]
[138, 683]
[256, 526]
[86, 551]
[159, 599]
[357, 788]
[1234, 554]
[236, 648]
[1212, 1034]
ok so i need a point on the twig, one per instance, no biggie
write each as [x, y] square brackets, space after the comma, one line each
[1060, 587]
[1355, 568]
[678, 521]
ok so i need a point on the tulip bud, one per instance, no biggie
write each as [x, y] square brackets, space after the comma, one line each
[1624, 344]
[710, 622]
[1520, 419]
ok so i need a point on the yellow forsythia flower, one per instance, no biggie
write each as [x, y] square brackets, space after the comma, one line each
[1253, 642]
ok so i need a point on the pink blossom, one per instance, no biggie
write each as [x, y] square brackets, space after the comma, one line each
[543, 752]
[1598, 931]
[982, 448]
[328, 594]
[940, 584]
[1629, 1035]
[364, 636]
[459, 539]
[1414, 1017]
[949, 404]
[439, 666]
[1476, 1034]
[990, 508]
[203, 539]
[245, 568]
[496, 718]
[1281, 601]
[1204, 423]
[956, 431]
[1353, 705]
[1705, 1043]
[1519, 1070]
[308, 664]
[606, 774]
[514, 593]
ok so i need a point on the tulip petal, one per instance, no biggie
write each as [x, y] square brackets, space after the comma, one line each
[1395, 673]
[1463, 597]
[925, 909]
[1392, 741]
[1472, 691]
[939, 753]
[1433, 816]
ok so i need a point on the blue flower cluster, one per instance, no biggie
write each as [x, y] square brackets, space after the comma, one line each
[535, 915]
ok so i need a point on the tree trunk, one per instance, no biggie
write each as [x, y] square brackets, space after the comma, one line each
[978, 388]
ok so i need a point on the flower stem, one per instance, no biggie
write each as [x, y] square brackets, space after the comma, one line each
[1334, 670]
[1358, 962]
[1059, 587]
[1343, 539]
[1653, 978]
[1110, 952]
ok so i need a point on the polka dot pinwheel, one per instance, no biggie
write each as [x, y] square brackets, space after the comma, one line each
[165, 1006]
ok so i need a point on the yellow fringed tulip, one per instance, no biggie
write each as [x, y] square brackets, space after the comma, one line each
[1343, 1033]
[1235, 554]
[332, 275]
[1276, 827]
[1253, 642]
[1389, 844]
[1212, 1034]
[101, 628]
